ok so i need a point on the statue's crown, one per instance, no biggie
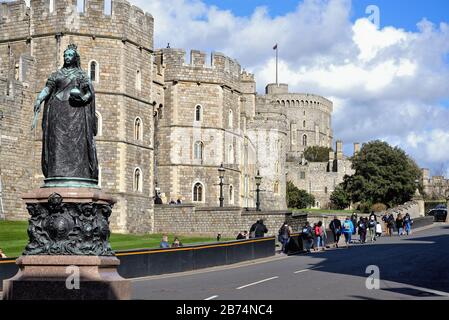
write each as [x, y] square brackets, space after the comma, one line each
[73, 46]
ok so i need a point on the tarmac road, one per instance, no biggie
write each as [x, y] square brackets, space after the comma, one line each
[410, 267]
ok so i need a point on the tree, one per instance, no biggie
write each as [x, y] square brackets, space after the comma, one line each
[340, 198]
[383, 174]
[317, 154]
[298, 199]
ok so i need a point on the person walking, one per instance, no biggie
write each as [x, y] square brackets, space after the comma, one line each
[390, 224]
[347, 230]
[385, 222]
[408, 224]
[284, 236]
[354, 223]
[362, 229]
[400, 224]
[307, 237]
[319, 234]
[372, 224]
[335, 227]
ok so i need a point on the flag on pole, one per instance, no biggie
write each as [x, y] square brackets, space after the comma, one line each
[275, 47]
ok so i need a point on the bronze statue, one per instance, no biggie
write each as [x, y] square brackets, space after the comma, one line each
[69, 124]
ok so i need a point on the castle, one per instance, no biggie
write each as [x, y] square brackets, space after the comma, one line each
[167, 122]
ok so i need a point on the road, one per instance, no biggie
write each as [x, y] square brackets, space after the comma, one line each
[413, 267]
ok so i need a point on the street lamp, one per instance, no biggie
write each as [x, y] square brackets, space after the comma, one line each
[221, 172]
[258, 182]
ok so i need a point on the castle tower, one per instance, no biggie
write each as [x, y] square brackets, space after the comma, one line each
[205, 113]
[116, 48]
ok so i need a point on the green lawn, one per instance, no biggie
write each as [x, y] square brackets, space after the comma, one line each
[14, 238]
[323, 211]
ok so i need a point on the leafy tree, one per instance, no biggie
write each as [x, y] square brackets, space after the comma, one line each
[298, 199]
[317, 154]
[340, 198]
[383, 174]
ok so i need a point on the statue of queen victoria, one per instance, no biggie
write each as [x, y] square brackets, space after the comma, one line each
[69, 125]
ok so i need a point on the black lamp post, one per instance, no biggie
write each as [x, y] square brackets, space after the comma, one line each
[258, 182]
[221, 172]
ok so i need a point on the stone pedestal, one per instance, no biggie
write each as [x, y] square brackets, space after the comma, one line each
[68, 256]
[67, 278]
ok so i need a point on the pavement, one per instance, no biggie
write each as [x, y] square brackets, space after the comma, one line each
[392, 268]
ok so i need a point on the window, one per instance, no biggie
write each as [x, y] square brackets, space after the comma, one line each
[108, 7]
[304, 124]
[94, 71]
[198, 113]
[138, 80]
[138, 132]
[230, 119]
[99, 120]
[51, 6]
[276, 187]
[198, 192]
[325, 190]
[304, 140]
[231, 194]
[231, 154]
[198, 150]
[81, 6]
[137, 183]
[303, 175]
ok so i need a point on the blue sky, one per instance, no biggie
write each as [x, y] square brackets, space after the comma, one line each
[399, 13]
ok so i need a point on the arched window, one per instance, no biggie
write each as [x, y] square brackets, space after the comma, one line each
[230, 119]
[304, 140]
[277, 167]
[51, 6]
[231, 194]
[276, 187]
[288, 103]
[94, 71]
[231, 154]
[108, 7]
[99, 120]
[198, 190]
[198, 112]
[198, 150]
[138, 130]
[137, 181]
[138, 80]
[81, 6]
[302, 103]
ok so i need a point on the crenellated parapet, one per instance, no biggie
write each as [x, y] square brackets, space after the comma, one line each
[123, 22]
[201, 67]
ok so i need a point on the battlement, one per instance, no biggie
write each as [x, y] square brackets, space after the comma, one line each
[13, 11]
[120, 19]
[176, 58]
[247, 77]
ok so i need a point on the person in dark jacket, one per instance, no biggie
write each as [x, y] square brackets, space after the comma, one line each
[362, 229]
[307, 237]
[390, 224]
[354, 223]
[400, 224]
[284, 236]
[335, 227]
[259, 229]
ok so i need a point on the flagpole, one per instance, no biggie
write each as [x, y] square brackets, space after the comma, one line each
[277, 77]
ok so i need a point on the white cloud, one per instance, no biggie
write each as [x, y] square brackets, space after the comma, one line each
[386, 83]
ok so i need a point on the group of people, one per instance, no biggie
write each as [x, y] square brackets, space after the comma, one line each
[367, 228]
[165, 244]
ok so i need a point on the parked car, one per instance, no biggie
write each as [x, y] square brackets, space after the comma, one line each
[438, 214]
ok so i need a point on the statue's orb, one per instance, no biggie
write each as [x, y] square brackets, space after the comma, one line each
[75, 92]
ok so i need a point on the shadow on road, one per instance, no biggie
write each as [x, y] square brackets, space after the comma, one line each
[417, 261]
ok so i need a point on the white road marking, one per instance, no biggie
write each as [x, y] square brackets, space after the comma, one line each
[254, 283]
[301, 271]
[211, 298]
